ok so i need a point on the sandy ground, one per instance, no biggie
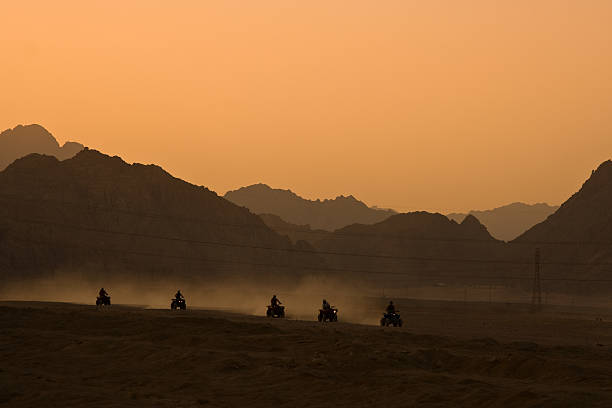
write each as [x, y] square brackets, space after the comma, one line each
[448, 355]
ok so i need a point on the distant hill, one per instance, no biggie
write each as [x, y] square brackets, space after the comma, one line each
[415, 246]
[509, 221]
[23, 140]
[326, 214]
[97, 213]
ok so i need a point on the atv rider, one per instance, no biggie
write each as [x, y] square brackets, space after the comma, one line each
[179, 296]
[275, 302]
[103, 294]
[390, 308]
[326, 305]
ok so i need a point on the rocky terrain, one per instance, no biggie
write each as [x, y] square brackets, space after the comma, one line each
[23, 140]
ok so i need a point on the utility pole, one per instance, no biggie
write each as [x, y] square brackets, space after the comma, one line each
[536, 296]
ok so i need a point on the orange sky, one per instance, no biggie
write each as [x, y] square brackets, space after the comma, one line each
[436, 105]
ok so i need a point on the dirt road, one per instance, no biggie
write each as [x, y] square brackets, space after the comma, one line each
[66, 355]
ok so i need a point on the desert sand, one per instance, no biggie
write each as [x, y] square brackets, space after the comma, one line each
[447, 354]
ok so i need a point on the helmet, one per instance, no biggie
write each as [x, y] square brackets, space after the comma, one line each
[390, 302]
[324, 301]
[273, 296]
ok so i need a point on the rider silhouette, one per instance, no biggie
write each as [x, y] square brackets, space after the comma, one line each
[275, 302]
[179, 295]
[326, 305]
[102, 293]
[390, 307]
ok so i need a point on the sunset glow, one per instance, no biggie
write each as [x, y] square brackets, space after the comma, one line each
[404, 104]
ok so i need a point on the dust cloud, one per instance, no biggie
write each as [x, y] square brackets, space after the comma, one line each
[302, 297]
[358, 300]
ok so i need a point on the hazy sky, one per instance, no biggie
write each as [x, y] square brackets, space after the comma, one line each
[436, 105]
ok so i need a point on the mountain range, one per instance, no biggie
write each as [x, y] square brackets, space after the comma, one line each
[297, 214]
[317, 214]
[99, 213]
[504, 223]
[106, 218]
[23, 140]
[102, 216]
[509, 221]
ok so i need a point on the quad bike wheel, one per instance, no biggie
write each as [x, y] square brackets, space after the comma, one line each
[102, 303]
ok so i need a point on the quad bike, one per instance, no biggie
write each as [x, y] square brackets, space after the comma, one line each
[275, 311]
[103, 301]
[391, 319]
[328, 315]
[178, 304]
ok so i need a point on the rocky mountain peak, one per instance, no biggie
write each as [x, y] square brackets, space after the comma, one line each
[25, 139]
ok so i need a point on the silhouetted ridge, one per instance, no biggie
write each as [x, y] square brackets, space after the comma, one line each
[580, 231]
[473, 228]
[23, 140]
[509, 221]
[407, 238]
[422, 224]
[585, 216]
[328, 214]
[81, 211]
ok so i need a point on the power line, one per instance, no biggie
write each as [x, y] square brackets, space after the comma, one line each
[213, 260]
[306, 251]
[293, 250]
[225, 224]
[304, 267]
[329, 234]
